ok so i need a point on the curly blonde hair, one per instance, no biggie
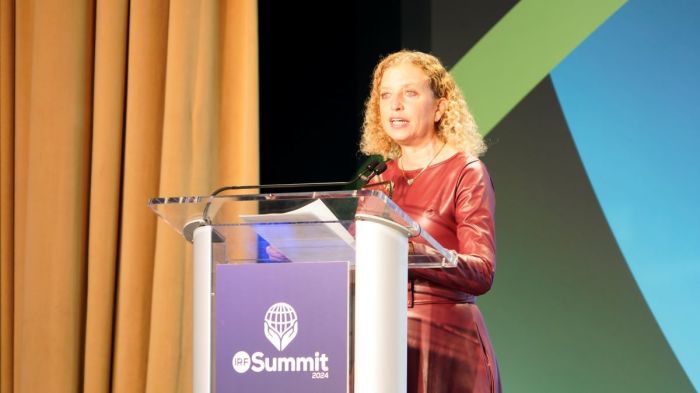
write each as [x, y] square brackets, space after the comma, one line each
[456, 127]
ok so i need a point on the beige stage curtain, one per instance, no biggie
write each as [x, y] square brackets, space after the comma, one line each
[102, 106]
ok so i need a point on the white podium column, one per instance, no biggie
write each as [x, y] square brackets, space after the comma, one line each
[381, 275]
[201, 310]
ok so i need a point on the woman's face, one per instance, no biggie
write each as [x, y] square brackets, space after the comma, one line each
[408, 109]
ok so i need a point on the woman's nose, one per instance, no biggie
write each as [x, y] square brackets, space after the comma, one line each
[396, 103]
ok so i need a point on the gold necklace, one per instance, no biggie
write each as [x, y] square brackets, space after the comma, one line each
[410, 181]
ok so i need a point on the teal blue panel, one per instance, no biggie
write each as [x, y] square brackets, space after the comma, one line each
[630, 95]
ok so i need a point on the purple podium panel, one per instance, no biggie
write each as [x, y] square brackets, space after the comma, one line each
[282, 327]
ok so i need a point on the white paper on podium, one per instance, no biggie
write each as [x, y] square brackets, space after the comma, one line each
[301, 237]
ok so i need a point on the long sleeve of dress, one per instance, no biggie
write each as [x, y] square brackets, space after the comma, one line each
[472, 218]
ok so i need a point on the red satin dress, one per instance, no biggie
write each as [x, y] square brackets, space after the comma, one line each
[449, 349]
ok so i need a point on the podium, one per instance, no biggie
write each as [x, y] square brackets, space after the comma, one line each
[364, 228]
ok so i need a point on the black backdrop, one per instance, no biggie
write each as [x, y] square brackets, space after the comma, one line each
[316, 62]
[315, 70]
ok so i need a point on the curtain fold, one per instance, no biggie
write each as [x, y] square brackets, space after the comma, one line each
[6, 193]
[52, 135]
[108, 101]
[102, 106]
[239, 103]
[146, 70]
[189, 130]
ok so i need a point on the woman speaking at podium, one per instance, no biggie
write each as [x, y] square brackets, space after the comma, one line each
[416, 117]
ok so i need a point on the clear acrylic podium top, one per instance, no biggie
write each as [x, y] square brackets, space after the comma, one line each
[301, 226]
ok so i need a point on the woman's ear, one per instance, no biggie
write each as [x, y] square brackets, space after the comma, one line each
[441, 108]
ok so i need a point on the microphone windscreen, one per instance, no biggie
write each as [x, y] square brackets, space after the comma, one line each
[380, 168]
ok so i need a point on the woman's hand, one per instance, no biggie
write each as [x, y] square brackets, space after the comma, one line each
[275, 255]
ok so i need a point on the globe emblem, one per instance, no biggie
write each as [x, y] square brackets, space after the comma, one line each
[281, 325]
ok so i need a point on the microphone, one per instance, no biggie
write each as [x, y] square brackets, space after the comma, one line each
[375, 170]
[370, 170]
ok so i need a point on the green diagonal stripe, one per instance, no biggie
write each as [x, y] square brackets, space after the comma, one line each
[521, 49]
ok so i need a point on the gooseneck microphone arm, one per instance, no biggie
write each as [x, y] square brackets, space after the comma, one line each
[287, 185]
[371, 170]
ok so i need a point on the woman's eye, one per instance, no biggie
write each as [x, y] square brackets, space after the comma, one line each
[384, 95]
[411, 93]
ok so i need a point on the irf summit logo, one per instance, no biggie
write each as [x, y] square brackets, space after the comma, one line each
[281, 326]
